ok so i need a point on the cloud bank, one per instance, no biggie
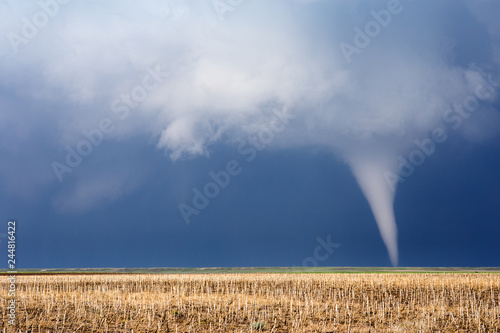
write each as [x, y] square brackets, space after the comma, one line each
[364, 79]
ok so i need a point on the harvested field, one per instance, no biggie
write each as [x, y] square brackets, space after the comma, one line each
[389, 302]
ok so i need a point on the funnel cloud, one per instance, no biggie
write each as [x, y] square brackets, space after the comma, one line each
[370, 177]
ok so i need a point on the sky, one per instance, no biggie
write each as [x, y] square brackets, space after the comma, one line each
[250, 133]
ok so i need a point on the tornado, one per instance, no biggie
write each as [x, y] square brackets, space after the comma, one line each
[369, 175]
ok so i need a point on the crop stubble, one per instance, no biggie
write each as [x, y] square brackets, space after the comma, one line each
[236, 302]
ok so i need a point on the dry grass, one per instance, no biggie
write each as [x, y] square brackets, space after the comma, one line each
[239, 302]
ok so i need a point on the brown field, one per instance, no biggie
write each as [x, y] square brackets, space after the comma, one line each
[256, 302]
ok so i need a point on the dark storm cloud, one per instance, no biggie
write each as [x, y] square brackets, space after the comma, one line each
[364, 80]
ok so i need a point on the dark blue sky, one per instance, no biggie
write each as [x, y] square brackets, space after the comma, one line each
[272, 213]
[154, 97]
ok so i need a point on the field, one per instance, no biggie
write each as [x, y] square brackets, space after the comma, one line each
[376, 302]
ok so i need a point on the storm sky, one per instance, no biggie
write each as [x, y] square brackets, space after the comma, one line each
[250, 133]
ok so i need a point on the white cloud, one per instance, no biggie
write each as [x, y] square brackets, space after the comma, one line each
[223, 75]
